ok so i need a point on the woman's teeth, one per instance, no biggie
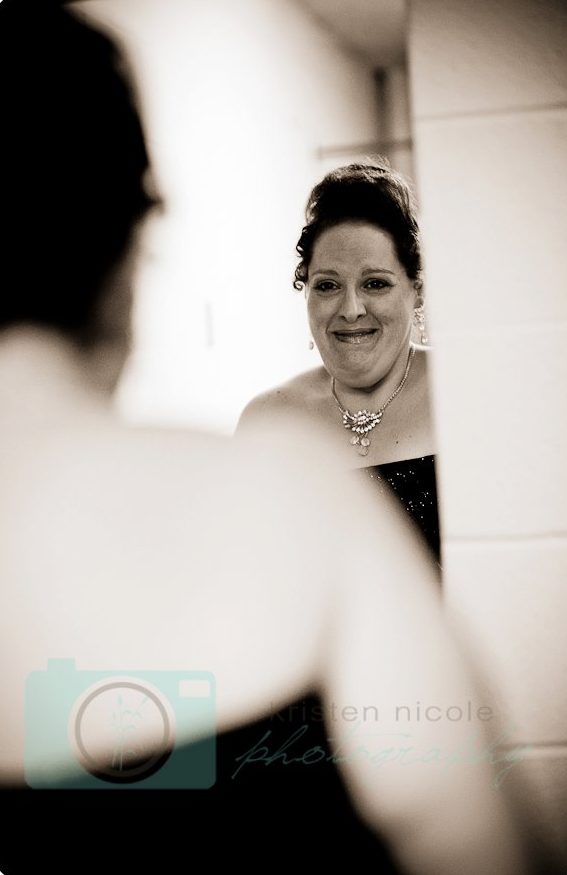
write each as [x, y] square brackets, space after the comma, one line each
[354, 336]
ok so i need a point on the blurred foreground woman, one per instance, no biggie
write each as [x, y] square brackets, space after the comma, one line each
[144, 550]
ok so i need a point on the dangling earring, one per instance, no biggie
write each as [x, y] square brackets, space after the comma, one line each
[419, 313]
[419, 322]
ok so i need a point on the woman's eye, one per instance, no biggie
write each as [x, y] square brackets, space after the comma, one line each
[376, 284]
[326, 286]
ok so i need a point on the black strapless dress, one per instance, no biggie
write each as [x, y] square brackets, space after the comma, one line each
[293, 810]
[414, 482]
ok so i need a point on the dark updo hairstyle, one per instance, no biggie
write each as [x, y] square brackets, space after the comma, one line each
[72, 162]
[371, 193]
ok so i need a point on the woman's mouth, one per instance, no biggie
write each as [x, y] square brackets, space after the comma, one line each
[359, 336]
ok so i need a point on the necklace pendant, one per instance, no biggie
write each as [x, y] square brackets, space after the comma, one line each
[363, 421]
[362, 444]
[361, 424]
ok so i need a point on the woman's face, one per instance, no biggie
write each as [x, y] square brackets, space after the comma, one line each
[360, 303]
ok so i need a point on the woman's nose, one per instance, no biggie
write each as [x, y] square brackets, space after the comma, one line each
[352, 305]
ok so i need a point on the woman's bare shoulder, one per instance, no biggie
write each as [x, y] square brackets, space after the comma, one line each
[294, 396]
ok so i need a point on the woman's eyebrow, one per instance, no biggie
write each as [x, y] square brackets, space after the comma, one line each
[323, 270]
[377, 270]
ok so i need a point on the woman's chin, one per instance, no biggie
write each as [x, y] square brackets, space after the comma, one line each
[352, 379]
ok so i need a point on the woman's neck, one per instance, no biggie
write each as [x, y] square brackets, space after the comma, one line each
[45, 378]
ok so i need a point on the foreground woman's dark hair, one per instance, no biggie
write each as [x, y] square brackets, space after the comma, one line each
[72, 167]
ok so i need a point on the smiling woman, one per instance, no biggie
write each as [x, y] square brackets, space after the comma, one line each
[360, 310]
[360, 266]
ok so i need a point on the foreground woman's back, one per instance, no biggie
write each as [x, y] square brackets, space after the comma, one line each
[137, 550]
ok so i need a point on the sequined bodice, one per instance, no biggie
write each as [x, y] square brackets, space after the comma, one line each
[414, 483]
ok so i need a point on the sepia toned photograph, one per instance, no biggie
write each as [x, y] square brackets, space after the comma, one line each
[283, 547]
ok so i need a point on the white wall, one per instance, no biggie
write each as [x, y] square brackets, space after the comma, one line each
[239, 96]
[489, 88]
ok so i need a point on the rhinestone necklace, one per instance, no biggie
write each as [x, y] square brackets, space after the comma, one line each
[362, 423]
